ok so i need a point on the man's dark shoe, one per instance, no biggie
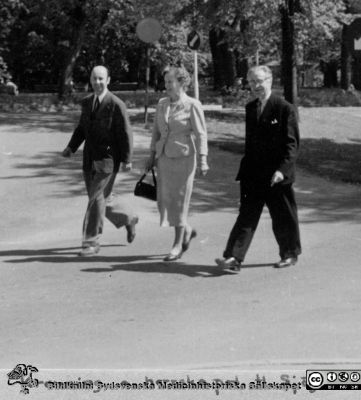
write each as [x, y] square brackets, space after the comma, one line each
[131, 229]
[286, 262]
[230, 264]
[89, 251]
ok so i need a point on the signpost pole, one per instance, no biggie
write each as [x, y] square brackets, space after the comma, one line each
[148, 31]
[147, 73]
[196, 86]
[194, 41]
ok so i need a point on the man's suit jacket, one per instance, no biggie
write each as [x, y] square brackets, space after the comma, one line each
[181, 133]
[272, 143]
[107, 134]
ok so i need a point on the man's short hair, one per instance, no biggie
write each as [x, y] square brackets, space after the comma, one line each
[264, 68]
[103, 66]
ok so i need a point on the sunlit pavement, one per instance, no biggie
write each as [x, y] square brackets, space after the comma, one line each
[127, 309]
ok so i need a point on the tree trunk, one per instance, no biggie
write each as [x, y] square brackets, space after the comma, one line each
[228, 69]
[329, 69]
[77, 38]
[224, 60]
[346, 60]
[214, 39]
[356, 73]
[241, 67]
[136, 60]
[289, 62]
[66, 73]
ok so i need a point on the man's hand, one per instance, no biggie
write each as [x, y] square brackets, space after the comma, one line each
[67, 152]
[277, 177]
[126, 167]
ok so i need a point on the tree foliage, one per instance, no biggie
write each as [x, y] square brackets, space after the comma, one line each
[51, 41]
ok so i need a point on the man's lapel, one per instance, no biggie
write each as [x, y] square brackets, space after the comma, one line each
[253, 112]
[104, 103]
[90, 102]
[267, 111]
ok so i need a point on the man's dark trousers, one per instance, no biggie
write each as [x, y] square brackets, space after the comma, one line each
[99, 187]
[280, 200]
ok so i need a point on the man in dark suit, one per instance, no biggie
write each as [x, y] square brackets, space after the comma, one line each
[105, 128]
[266, 174]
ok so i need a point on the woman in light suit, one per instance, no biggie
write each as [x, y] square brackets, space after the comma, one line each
[179, 134]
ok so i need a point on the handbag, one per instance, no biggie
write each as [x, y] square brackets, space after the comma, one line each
[147, 190]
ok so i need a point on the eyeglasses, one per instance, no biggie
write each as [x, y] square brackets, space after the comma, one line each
[258, 81]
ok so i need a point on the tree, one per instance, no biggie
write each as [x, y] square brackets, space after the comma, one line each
[9, 11]
[289, 60]
[84, 18]
[353, 9]
[51, 35]
[224, 24]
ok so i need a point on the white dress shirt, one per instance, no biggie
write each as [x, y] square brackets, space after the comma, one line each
[101, 97]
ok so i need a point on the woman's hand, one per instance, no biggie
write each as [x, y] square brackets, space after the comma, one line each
[203, 165]
[149, 162]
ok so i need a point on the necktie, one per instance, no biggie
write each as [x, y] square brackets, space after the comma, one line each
[259, 109]
[96, 105]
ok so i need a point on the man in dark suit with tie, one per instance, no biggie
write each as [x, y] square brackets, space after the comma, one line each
[266, 174]
[105, 128]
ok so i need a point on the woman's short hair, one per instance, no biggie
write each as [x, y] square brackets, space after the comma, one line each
[181, 74]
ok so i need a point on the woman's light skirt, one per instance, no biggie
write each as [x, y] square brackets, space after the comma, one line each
[174, 188]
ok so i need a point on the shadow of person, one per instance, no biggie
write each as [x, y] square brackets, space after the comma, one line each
[40, 252]
[264, 265]
[70, 255]
[138, 263]
[190, 270]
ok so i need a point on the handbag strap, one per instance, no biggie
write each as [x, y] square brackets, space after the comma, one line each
[144, 175]
[154, 179]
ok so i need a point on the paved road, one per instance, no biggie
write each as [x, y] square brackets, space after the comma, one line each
[127, 309]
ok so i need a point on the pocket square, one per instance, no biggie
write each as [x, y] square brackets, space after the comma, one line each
[274, 121]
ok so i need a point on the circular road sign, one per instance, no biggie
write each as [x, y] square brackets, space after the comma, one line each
[354, 37]
[194, 40]
[149, 30]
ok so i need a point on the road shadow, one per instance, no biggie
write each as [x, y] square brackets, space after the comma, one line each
[189, 270]
[66, 174]
[322, 200]
[231, 116]
[330, 194]
[267, 265]
[151, 263]
[354, 140]
[70, 255]
[65, 122]
[332, 160]
[36, 122]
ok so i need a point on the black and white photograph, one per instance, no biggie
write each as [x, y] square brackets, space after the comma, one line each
[180, 199]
